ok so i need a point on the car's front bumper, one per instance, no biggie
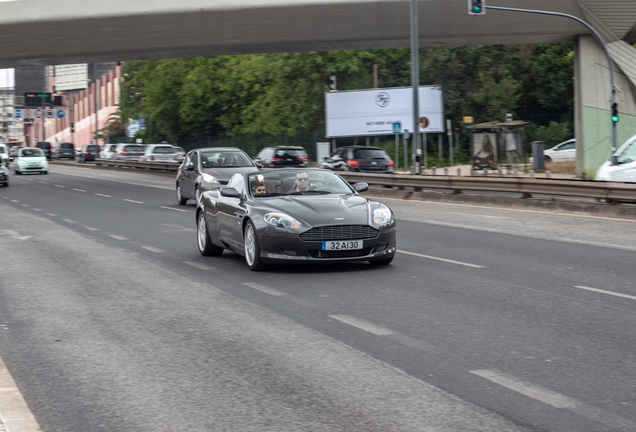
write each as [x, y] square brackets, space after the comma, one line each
[279, 246]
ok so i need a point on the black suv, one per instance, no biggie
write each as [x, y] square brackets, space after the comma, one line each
[280, 157]
[46, 148]
[63, 150]
[358, 158]
[88, 152]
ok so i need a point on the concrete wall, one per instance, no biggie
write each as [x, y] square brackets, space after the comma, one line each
[593, 126]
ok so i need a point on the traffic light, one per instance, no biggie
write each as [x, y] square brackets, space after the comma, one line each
[477, 7]
[72, 127]
[615, 117]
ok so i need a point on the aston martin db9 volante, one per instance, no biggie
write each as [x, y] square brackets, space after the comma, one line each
[294, 215]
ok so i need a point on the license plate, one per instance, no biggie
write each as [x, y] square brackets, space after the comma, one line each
[342, 245]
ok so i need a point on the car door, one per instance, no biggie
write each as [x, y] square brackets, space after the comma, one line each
[231, 212]
[189, 175]
[565, 152]
[625, 171]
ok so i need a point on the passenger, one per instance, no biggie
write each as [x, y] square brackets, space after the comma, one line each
[259, 189]
[302, 182]
[229, 160]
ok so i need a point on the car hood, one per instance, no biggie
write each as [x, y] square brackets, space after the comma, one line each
[321, 209]
[224, 174]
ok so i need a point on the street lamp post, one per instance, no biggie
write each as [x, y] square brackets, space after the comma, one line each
[415, 80]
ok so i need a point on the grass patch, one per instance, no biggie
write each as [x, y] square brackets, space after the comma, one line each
[561, 167]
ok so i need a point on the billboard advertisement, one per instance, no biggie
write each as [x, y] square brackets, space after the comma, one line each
[373, 112]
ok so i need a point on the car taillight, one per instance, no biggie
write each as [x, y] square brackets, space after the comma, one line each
[276, 159]
[152, 158]
[85, 153]
[353, 163]
[124, 152]
[303, 158]
[176, 157]
[390, 163]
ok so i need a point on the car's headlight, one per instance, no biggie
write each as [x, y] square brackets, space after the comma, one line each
[382, 216]
[281, 220]
[209, 178]
[21, 162]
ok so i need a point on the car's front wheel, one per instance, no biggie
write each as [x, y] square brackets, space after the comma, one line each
[180, 199]
[206, 248]
[252, 248]
[547, 158]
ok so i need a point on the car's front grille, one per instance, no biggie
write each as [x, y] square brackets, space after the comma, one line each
[339, 253]
[340, 232]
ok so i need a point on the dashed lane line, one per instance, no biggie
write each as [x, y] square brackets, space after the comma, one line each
[51, 214]
[199, 266]
[26, 205]
[264, 289]
[153, 249]
[92, 228]
[441, 259]
[612, 293]
[133, 201]
[79, 190]
[60, 186]
[103, 195]
[363, 325]
[15, 201]
[172, 208]
[117, 237]
[68, 220]
[44, 182]
[37, 210]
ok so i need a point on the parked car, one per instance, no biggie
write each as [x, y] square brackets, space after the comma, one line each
[360, 159]
[46, 148]
[622, 166]
[4, 175]
[208, 168]
[279, 157]
[31, 159]
[4, 155]
[159, 153]
[562, 152]
[13, 152]
[63, 150]
[107, 152]
[88, 152]
[128, 151]
[295, 227]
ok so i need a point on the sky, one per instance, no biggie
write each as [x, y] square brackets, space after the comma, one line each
[6, 78]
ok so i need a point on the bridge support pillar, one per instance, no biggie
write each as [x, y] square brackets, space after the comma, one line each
[592, 116]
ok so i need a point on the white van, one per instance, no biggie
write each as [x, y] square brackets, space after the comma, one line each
[622, 166]
[4, 155]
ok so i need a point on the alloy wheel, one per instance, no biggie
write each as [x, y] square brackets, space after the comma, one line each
[250, 246]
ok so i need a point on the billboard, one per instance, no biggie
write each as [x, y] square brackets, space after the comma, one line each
[71, 76]
[373, 112]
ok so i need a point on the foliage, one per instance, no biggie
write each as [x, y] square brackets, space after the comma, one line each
[552, 134]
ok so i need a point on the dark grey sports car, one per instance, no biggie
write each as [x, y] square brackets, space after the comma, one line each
[294, 215]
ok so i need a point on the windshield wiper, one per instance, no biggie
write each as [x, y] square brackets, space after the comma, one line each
[318, 192]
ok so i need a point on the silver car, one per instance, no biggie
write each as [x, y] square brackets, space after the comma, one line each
[128, 152]
[160, 153]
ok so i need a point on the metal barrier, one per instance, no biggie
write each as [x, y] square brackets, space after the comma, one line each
[164, 166]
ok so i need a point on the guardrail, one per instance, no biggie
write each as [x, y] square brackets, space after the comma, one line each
[526, 187]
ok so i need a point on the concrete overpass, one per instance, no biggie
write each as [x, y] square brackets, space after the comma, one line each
[35, 32]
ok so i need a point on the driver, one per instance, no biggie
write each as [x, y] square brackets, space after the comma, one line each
[229, 160]
[302, 182]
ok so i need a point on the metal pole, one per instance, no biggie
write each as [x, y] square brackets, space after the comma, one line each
[95, 94]
[405, 144]
[439, 144]
[415, 79]
[397, 150]
[43, 91]
[598, 38]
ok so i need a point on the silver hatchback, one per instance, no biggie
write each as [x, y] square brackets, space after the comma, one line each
[128, 152]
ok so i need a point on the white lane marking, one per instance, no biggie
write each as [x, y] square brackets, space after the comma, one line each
[28, 179]
[607, 292]
[535, 392]
[51, 214]
[441, 259]
[102, 195]
[16, 235]
[363, 325]
[38, 210]
[171, 208]
[60, 186]
[117, 237]
[15, 201]
[264, 289]
[153, 249]
[91, 228]
[14, 412]
[5, 197]
[68, 220]
[26, 205]
[43, 182]
[79, 190]
[197, 265]
[133, 201]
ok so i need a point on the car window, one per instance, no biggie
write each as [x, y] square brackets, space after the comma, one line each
[179, 149]
[3, 150]
[369, 154]
[225, 159]
[67, 145]
[163, 150]
[629, 154]
[277, 181]
[236, 182]
[93, 147]
[568, 146]
[195, 160]
[134, 148]
[31, 152]
[43, 145]
[289, 153]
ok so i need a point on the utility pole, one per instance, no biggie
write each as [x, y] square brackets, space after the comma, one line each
[415, 80]
[43, 96]
[95, 94]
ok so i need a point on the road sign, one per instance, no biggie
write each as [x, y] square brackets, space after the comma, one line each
[49, 114]
[458, 128]
[28, 114]
[468, 119]
[38, 113]
[17, 113]
[60, 114]
[423, 122]
[4, 113]
[397, 127]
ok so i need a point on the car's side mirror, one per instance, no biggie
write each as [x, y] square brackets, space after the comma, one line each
[615, 160]
[258, 165]
[190, 167]
[230, 192]
[361, 187]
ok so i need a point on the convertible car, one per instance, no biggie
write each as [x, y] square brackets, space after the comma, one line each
[294, 215]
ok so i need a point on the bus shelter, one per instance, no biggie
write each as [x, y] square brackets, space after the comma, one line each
[495, 145]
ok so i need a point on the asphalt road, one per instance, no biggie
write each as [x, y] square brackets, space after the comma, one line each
[487, 320]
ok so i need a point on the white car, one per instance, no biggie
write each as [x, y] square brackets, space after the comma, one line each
[622, 166]
[562, 152]
[4, 155]
[108, 151]
[30, 159]
[160, 153]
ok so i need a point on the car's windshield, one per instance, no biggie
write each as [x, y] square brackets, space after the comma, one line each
[225, 159]
[284, 153]
[286, 182]
[3, 150]
[163, 150]
[133, 148]
[31, 152]
[93, 148]
[629, 154]
[369, 154]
